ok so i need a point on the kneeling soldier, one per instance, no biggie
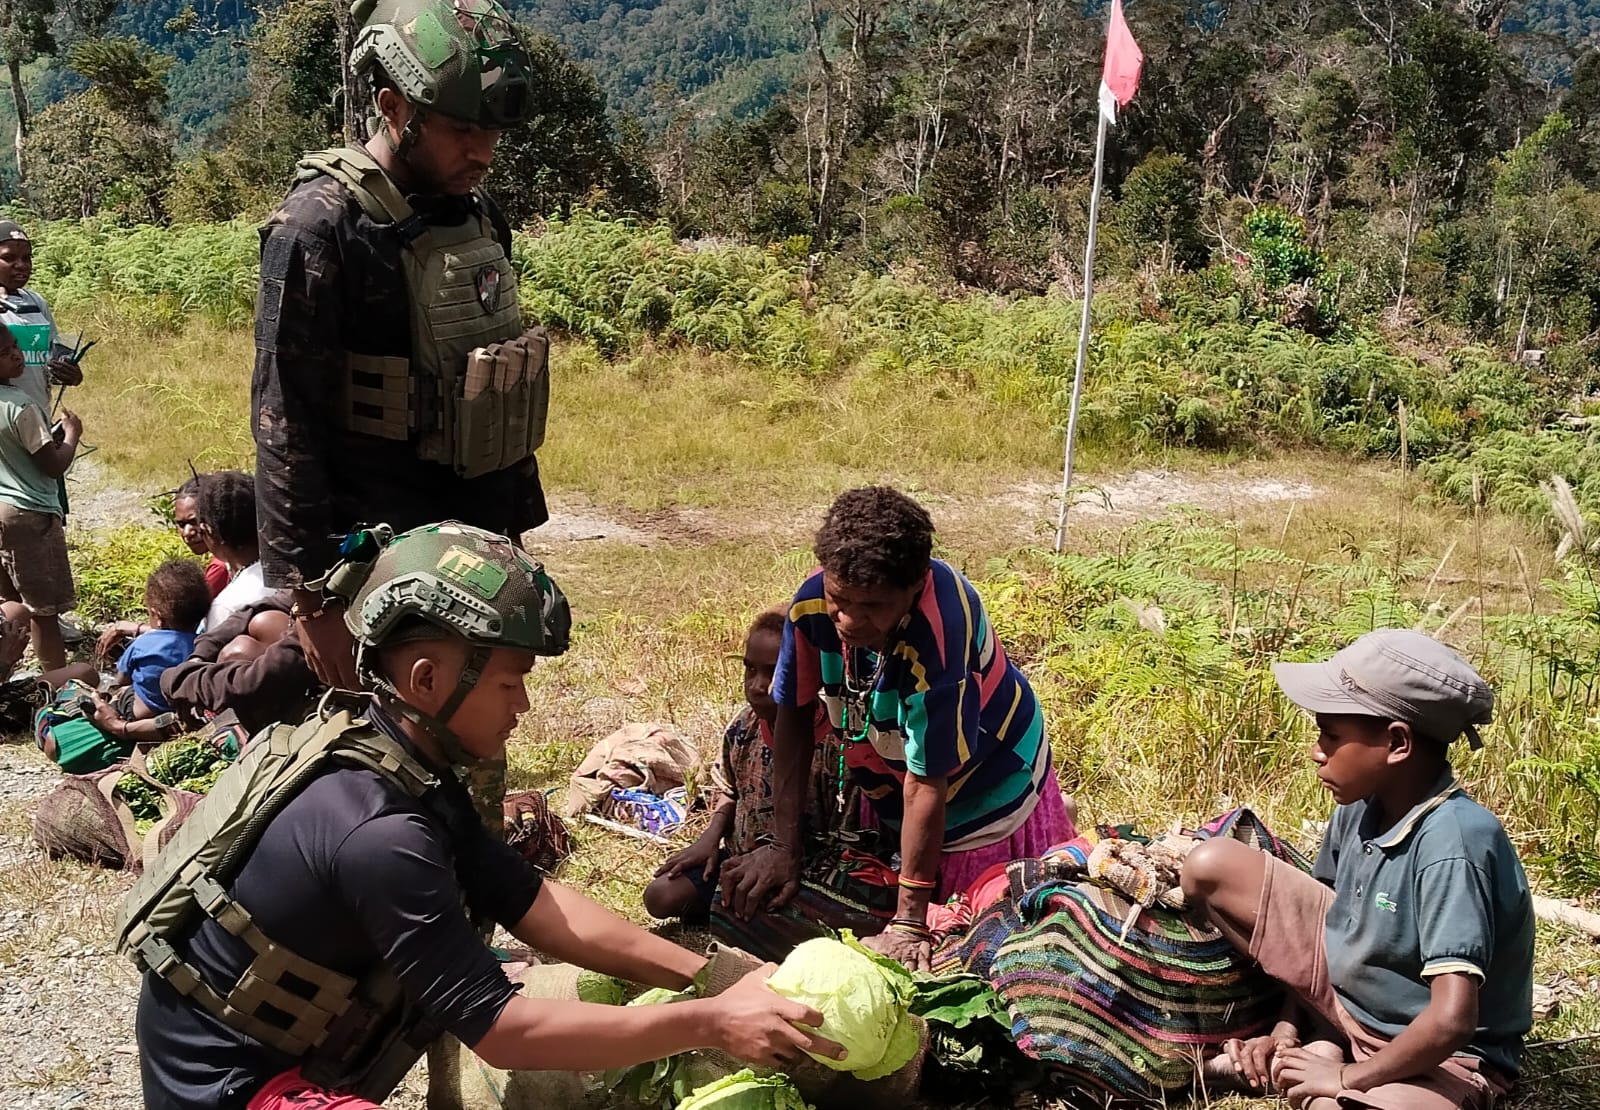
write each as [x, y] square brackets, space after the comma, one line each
[316, 921]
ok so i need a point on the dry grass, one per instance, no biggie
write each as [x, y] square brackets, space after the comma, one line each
[724, 471]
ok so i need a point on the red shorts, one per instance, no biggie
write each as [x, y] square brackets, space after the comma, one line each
[1289, 944]
[290, 1091]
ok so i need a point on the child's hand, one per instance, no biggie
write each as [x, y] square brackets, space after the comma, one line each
[1252, 1059]
[697, 855]
[1304, 1075]
[72, 426]
[111, 638]
[63, 371]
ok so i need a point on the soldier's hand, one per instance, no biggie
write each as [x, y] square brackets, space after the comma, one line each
[329, 647]
[761, 1027]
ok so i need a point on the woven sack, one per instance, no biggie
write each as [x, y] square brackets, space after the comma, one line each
[826, 1088]
[84, 818]
[458, 1080]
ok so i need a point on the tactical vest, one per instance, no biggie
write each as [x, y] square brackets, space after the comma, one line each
[355, 1036]
[475, 392]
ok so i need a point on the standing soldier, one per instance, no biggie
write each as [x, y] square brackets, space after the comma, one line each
[393, 378]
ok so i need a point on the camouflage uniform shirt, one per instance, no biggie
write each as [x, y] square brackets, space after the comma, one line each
[332, 281]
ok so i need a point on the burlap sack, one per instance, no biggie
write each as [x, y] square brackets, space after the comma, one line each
[458, 1080]
[826, 1088]
[85, 819]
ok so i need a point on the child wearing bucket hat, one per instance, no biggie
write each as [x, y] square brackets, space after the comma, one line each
[1410, 945]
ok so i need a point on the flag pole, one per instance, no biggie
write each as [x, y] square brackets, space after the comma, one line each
[1083, 332]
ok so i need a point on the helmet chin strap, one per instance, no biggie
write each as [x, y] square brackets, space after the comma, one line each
[401, 148]
[435, 724]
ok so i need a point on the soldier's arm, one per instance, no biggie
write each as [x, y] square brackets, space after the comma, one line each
[571, 928]
[300, 354]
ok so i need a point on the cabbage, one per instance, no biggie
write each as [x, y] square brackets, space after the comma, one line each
[903, 1045]
[602, 989]
[860, 1008]
[655, 996]
[746, 1091]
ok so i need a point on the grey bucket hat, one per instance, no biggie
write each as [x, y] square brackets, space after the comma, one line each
[1397, 674]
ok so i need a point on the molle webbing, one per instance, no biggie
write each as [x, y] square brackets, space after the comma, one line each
[462, 300]
[283, 1000]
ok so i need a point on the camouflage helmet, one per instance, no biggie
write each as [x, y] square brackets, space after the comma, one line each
[455, 577]
[460, 58]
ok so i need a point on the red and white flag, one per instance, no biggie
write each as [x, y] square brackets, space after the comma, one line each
[1124, 59]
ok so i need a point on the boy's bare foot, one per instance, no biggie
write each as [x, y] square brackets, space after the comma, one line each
[1218, 1075]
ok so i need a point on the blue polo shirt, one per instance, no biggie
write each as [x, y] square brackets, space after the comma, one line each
[1440, 891]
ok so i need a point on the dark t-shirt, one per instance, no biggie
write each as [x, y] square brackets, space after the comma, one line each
[352, 873]
[333, 281]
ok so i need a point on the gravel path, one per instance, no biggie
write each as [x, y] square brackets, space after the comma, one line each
[67, 1001]
[66, 1011]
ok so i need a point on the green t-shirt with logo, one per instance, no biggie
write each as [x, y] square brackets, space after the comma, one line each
[1437, 892]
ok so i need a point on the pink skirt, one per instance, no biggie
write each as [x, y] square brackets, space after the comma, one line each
[1047, 826]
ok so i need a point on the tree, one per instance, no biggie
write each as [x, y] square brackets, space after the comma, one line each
[24, 36]
[105, 149]
[566, 153]
[1536, 205]
[1439, 99]
[1160, 208]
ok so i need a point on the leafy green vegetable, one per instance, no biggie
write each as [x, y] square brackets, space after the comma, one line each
[903, 1045]
[661, 1083]
[188, 764]
[598, 988]
[142, 799]
[958, 1001]
[746, 1090]
[860, 1003]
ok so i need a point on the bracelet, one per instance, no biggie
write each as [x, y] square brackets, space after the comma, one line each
[920, 931]
[913, 924]
[1343, 1086]
[917, 884]
[299, 614]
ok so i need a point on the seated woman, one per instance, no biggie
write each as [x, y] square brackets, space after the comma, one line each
[260, 685]
[942, 732]
[228, 519]
[186, 517]
[685, 885]
[264, 628]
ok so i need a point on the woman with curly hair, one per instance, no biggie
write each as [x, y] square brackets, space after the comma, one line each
[227, 508]
[942, 733]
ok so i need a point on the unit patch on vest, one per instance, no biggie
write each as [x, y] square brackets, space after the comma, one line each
[489, 289]
[468, 569]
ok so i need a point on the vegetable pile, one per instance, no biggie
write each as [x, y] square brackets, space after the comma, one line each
[746, 1090]
[184, 764]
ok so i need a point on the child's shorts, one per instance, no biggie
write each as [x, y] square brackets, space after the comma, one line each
[1290, 945]
[33, 561]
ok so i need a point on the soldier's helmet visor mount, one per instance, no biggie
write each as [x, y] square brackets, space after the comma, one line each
[502, 67]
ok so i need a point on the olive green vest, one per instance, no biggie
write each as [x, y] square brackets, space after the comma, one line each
[355, 1036]
[476, 390]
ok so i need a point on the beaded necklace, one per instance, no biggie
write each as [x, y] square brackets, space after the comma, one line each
[858, 694]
